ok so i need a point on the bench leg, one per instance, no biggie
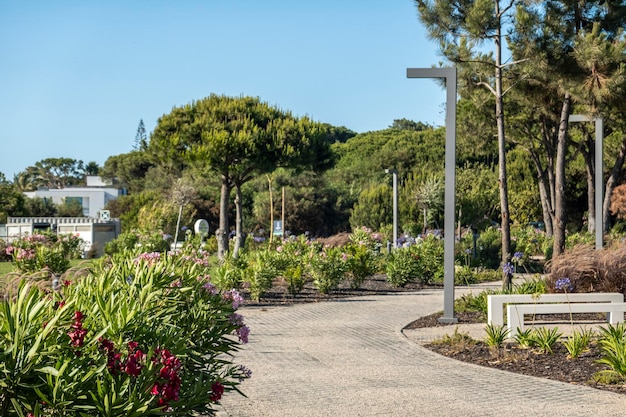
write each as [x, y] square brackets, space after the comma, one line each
[616, 317]
[514, 320]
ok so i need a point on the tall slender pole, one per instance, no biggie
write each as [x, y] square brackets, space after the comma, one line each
[395, 208]
[282, 219]
[599, 174]
[394, 174]
[449, 75]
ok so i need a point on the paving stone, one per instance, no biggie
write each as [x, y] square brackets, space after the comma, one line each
[350, 358]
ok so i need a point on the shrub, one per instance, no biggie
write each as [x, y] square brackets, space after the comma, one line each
[149, 335]
[327, 268]
[363, 255]
[613, 346]
[489, 247]
[48, 252]
[591, 270]
[139, 241]
[260, 273]
[403, 267]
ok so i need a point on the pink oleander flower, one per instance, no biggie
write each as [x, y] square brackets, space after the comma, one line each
[233, 295]
[242, 334]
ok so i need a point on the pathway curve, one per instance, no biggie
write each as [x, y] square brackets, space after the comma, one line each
[350, 358]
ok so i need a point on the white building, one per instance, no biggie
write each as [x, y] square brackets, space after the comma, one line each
[92, 197]
[94, 232]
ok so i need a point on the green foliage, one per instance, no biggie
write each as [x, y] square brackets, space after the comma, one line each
[545, 338]
[231, 273]
[363, 255]
[528, 240]
[47, 251]
[464, 275]
[137, 241]
[524, 338]
[70, 208]
[496, 335]
[474, 302]
[489, 246]
[613, 346]
[328, 267]
[374, 208]
[148, 335]
[534, 285]
[477, 194]
[578, 342]
[263, 268]
[458, 341]
[402, 267]
[421, 262]
[579, 238]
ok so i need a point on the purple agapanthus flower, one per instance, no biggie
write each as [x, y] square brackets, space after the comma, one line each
[508, 268]
[564, 284]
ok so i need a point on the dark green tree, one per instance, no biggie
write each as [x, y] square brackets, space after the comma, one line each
[12, 201]
[57, 172]
[237, 138]
[566, 48]
[141, 139]
[462, 29]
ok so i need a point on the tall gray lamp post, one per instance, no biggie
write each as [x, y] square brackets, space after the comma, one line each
[599, 181]
[395, 205]
[449, 75]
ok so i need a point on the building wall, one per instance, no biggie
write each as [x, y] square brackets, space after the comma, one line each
[93, 199]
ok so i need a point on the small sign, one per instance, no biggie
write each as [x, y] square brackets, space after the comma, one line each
[278, 228]
[201, 227]
[105, 215]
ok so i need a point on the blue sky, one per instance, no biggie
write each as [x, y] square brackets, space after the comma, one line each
[78, 76]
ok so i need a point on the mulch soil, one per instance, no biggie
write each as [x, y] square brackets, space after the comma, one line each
[556, 366]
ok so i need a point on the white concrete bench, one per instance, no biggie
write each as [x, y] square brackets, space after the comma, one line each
[515, 312]
[496, 302]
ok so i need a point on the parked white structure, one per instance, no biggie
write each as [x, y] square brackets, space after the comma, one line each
[92, 197]
[94, 232]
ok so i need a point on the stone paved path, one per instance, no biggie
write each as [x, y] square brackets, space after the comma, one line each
[350, 358]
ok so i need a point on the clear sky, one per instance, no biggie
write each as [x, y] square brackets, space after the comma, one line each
[78, 76]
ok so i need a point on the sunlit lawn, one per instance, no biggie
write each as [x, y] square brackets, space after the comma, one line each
[7, 267]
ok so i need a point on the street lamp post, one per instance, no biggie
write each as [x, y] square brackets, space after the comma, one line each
[449, 75]
[599, 181]
[395, 205]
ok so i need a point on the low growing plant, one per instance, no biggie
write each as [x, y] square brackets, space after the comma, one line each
[496, 335]
[545, 338]
[578, 342]
[524, 338]
[327, 268]
[612, 343]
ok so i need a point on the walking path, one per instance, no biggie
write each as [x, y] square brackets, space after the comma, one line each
[351, 358]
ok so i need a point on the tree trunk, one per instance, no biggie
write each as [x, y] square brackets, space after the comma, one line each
[559, 180]
[611, 182]
[544, 193]
[507, 281]
[222, 232]
[239, 235]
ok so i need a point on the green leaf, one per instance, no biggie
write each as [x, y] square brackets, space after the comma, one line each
[49, 370]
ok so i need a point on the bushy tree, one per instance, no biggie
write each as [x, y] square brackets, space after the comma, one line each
[237, 138]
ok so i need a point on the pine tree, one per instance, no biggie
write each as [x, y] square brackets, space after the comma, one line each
[141, 140]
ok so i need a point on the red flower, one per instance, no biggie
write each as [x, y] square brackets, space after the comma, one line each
[217, 390]
[78, 316]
